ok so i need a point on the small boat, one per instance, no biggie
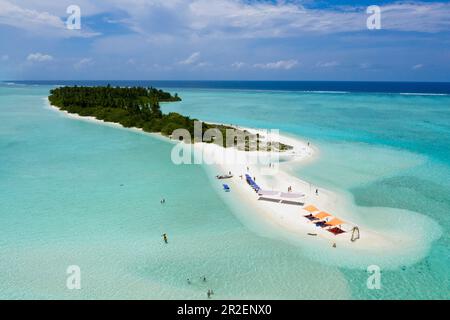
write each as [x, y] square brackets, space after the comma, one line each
[225, 176]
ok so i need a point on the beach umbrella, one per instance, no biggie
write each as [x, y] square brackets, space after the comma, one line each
[311, 209]
[335, 222]
[322, 215]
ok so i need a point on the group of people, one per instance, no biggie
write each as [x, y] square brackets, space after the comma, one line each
[209, 293]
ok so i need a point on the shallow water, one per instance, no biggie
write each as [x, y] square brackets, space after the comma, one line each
[77, 193]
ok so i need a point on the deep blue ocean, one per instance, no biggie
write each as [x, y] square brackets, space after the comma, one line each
[347, 86]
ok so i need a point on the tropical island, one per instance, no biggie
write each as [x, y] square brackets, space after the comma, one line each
[139, 107]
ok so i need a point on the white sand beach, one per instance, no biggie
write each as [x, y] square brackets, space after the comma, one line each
[289, 217]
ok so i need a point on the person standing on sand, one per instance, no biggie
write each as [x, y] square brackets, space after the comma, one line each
[317, 192]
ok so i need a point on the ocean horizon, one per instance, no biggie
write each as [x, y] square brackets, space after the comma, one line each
[404, 87]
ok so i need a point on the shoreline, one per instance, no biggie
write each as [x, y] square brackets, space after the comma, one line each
[287, 219]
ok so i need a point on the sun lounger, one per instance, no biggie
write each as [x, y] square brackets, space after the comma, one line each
[310, 217]
[226, 188]
[336, 231]
[321, 224]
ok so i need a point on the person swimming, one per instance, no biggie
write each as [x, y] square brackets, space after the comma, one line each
[165, 238]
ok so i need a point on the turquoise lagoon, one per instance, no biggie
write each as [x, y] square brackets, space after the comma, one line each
[78, 193]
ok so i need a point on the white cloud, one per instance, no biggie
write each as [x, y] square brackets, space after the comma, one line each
[238, 65]
[4, 57]
[193, 58]
[38, 21]
[282, 64]
[264, 19]
[417, 66]
[85, 62]
[328, 64]
[172, 19]
[39, 57]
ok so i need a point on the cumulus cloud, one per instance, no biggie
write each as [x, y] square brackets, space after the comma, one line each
[39, 57]
[282, 64]
[264, 19]
[417, 66]
[166, 19]
[38, 21]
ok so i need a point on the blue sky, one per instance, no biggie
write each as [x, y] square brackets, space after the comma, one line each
[225, 40]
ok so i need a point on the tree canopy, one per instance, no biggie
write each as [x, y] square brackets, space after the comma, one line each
[133, 107]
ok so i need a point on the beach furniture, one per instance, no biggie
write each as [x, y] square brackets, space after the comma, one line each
[268, 193]
[269, 199]
[336, 231]
[226, 188]
[335, 222]
[321, 224]
[291, 195]
[311, 209]
[336, 226]
[295, 203]
[252, 183]
[310, 217]
[322, 215]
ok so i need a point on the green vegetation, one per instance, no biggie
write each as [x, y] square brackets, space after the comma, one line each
[131, 107]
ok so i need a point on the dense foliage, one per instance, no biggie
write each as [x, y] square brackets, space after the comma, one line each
[132, 107]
